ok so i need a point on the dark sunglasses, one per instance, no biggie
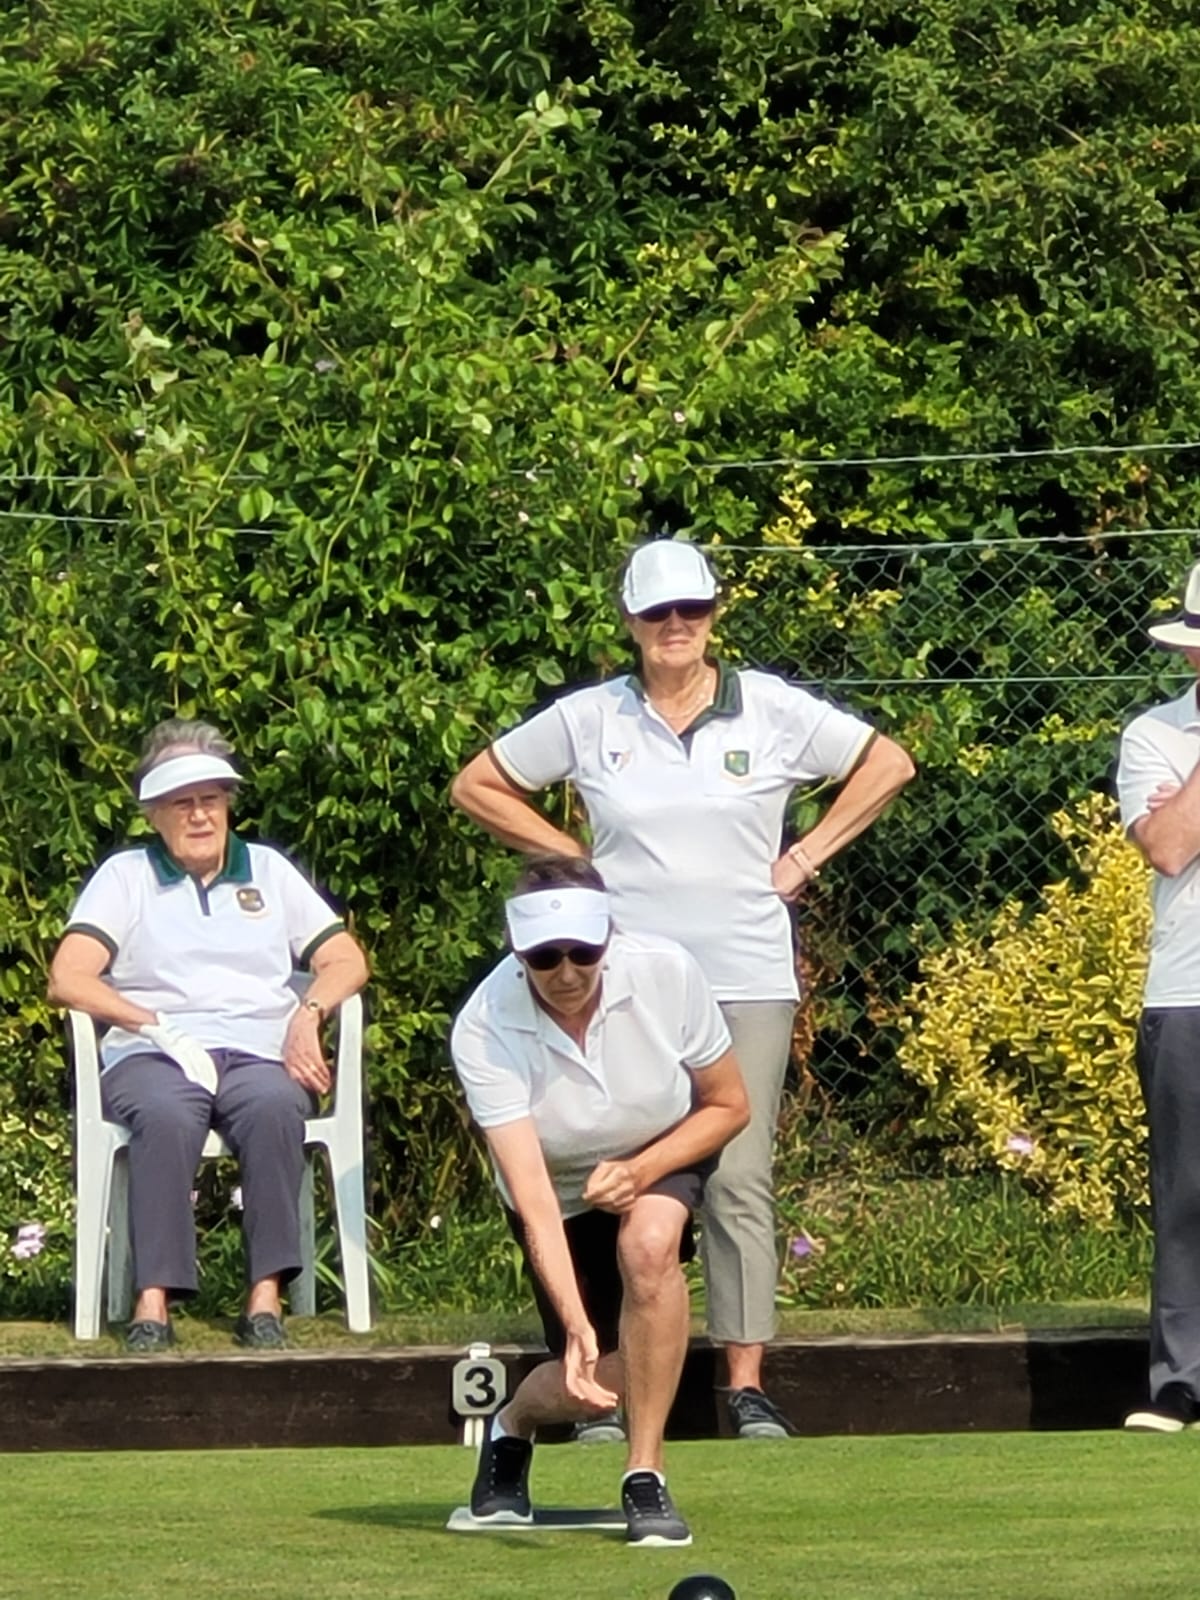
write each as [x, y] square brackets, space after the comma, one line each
[549, 956]
[689, 610]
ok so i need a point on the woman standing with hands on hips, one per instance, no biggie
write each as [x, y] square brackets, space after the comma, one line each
[686, 766]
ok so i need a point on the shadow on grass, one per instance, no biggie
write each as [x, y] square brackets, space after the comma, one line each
[406, 1514]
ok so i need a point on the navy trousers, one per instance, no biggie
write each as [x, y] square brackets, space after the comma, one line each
[258, 1110]
[1168, 1061]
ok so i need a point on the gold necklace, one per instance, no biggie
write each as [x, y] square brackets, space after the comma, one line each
[702, 697]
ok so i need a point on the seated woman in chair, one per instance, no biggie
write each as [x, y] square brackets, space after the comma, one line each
[184, 950]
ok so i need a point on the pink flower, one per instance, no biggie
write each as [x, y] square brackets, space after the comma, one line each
[30, 1241]
[803, 1246]
[1020, 1144]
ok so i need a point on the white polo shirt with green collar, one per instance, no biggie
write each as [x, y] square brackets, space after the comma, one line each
[217, 959]
[1160, 746]
[629, 1084]
[686, 827]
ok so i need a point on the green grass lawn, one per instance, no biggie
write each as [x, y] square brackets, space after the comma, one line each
[1007, 1517]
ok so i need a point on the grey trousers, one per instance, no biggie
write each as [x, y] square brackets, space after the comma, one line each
[737, 1238]
[1168, 1061]
[259, 1111]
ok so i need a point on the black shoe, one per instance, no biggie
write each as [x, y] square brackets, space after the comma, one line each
[262, 1330]
[147, 1337]
[606, 1428]
[1172, 1410]
[500, 1492]
[755, 1417]
[650, 1514]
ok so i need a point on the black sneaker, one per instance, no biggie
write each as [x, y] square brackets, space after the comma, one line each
[650, 1514]
[147, 1337]
[500, 1492]
[1172, 1410]
[261, 1331]
[607, 1428]
[755, 1417]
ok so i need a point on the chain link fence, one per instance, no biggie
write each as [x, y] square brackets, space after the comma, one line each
[1007, 669]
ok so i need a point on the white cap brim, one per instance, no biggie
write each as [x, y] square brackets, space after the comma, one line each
[1175, 635]
[549, 916]
[181, 772]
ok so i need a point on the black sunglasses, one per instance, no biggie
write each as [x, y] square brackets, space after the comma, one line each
[689, 610]
[549, 956]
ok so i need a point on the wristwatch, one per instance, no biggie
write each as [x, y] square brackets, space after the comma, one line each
[314, 1005]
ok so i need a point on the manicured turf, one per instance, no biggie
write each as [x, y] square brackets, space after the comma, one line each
[1006, 1517]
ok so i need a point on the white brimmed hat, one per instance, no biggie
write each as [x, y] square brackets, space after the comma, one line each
[1182, 632]
[181, 772]
[550, 915]
[668, 569]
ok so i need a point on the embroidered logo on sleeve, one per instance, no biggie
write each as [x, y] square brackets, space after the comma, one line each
[251, 901]
[737, 763]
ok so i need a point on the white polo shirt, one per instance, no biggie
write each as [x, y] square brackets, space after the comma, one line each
[217, 960]
[685, 828]
[1163, 746]
[627, 1086]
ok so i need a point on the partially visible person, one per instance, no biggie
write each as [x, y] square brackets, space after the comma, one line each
[1158, 784]
[183, 950]
[599, 1069]
[686, 767]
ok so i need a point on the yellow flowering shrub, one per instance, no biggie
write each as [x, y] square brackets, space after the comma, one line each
[1024, 1038]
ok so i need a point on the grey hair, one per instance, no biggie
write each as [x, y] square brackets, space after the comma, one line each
[173, 737]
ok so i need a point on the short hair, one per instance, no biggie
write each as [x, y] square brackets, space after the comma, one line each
[557, 872]
[170, 738]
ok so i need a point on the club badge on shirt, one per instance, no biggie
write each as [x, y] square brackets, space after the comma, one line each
[737, 763]
[251, 901]
[617, 760]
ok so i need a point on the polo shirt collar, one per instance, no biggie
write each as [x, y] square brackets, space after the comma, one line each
[235, 869]
[727, 702]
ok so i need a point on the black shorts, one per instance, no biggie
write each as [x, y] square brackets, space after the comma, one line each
[592, 1241]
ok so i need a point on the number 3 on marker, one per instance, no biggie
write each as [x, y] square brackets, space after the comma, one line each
[480, 1387]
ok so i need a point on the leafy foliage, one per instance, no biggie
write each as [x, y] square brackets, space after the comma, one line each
[1024, 1039]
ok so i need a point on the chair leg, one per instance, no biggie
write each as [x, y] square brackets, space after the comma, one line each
[302, 1293]
[350, 1200]
[91, 1224]
[120, 1254]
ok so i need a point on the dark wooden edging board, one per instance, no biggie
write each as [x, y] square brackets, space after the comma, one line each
[970, 1382]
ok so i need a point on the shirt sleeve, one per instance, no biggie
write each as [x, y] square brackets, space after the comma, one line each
[706, 1035]
[817, 739]
[105, 907]
[497, 1088]
[538, 751]
[309, 917]
[1141, 768]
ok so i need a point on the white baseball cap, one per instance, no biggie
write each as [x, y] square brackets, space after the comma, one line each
[668, 569]
[549, 915]
[1182, 632]
[181, 772]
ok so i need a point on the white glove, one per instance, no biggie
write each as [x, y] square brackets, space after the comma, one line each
[194, 1059]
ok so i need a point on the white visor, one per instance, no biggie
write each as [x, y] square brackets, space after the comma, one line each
[551, 916]
[182, 772]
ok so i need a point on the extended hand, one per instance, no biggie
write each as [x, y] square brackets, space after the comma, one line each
[612, 1186]
[186, 1052]
[303, 1057]
[579, 1372]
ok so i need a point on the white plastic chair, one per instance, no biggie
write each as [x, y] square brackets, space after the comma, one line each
[102, 1185]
